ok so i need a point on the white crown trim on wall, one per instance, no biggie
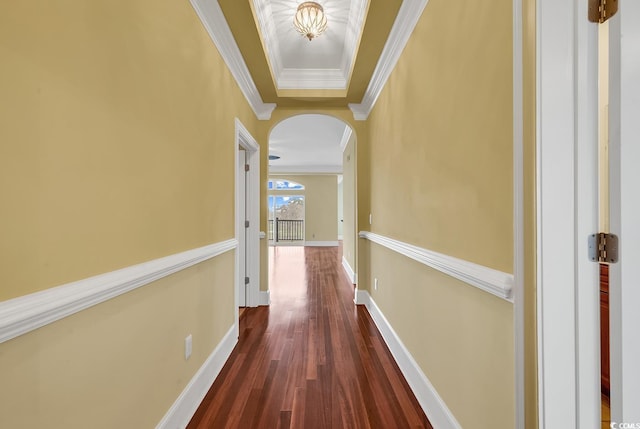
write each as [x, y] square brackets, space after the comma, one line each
[407, 19]
[216, 25]
[21, 315]
[487, 279]
[312, 79]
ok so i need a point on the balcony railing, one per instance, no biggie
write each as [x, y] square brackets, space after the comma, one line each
[286, 230]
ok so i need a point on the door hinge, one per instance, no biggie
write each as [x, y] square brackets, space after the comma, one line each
[601, 10]
[603, 247]
[246, 280]
[246, 224]
[246, 167]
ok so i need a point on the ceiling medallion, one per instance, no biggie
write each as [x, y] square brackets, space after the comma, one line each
[310, 20]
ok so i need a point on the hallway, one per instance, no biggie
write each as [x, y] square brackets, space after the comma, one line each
[310, 360]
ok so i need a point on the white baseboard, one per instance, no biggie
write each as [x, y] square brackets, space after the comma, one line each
[349, 270]
[434, 407]
[265, 297]
[361, 297]
[191, 397]
[321, 243]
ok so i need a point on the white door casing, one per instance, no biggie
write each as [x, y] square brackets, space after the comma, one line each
[624, 178]
[242, 231]
[251, 194]
[568, 305]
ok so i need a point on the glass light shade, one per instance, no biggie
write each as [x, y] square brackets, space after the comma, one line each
[310, 20]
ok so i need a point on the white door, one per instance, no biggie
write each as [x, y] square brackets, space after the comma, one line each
[242, 232]
[624, 155]
[568, 307]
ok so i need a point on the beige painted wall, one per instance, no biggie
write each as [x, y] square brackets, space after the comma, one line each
[349, 202]
[119, 364]
[114, 140]
[441, 136]
[320, 204]
[460, 336]
[440, 171]
[116, 147]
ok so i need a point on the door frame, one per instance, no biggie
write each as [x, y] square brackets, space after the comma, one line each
[567, 168]
[624, 175]
[251, 147]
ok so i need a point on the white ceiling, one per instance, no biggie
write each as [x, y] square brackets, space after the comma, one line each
[308, 144]
[323, 63]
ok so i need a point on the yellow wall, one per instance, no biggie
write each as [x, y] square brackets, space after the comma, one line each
[119, 364]
[320, 204]
[441, 136]
[349, 204]
[116, 147]
[114, 139]
[440, 155]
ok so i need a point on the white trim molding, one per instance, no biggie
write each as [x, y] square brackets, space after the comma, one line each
[347, 269]
[216, 25]
[294, 78]
[439, 414]
[189, 400]
[407, 19]
[265, 297]
[346, 136]
[24, 314]
[305, 169]
[487, 279]
[251, 242]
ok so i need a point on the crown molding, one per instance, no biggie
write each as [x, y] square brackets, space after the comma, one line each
[306, 169]
[216, 25]
[406, 21]
[312, 79]
[357, 16]
[292, 78]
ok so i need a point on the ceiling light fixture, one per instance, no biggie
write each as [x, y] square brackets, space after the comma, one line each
[310, 20]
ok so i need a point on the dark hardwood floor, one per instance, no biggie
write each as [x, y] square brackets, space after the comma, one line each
[311, 360]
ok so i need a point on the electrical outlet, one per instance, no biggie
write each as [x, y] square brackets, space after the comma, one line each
[188, 347]
[375, 284]
[370, 219]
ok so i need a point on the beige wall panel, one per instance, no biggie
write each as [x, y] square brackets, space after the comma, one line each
[121, 363]
[349, 202]
[441, 136]
[460, 336]
[116, 138]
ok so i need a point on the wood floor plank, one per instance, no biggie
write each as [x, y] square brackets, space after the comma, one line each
[312, 359]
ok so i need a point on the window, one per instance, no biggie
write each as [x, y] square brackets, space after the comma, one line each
[281, 185]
